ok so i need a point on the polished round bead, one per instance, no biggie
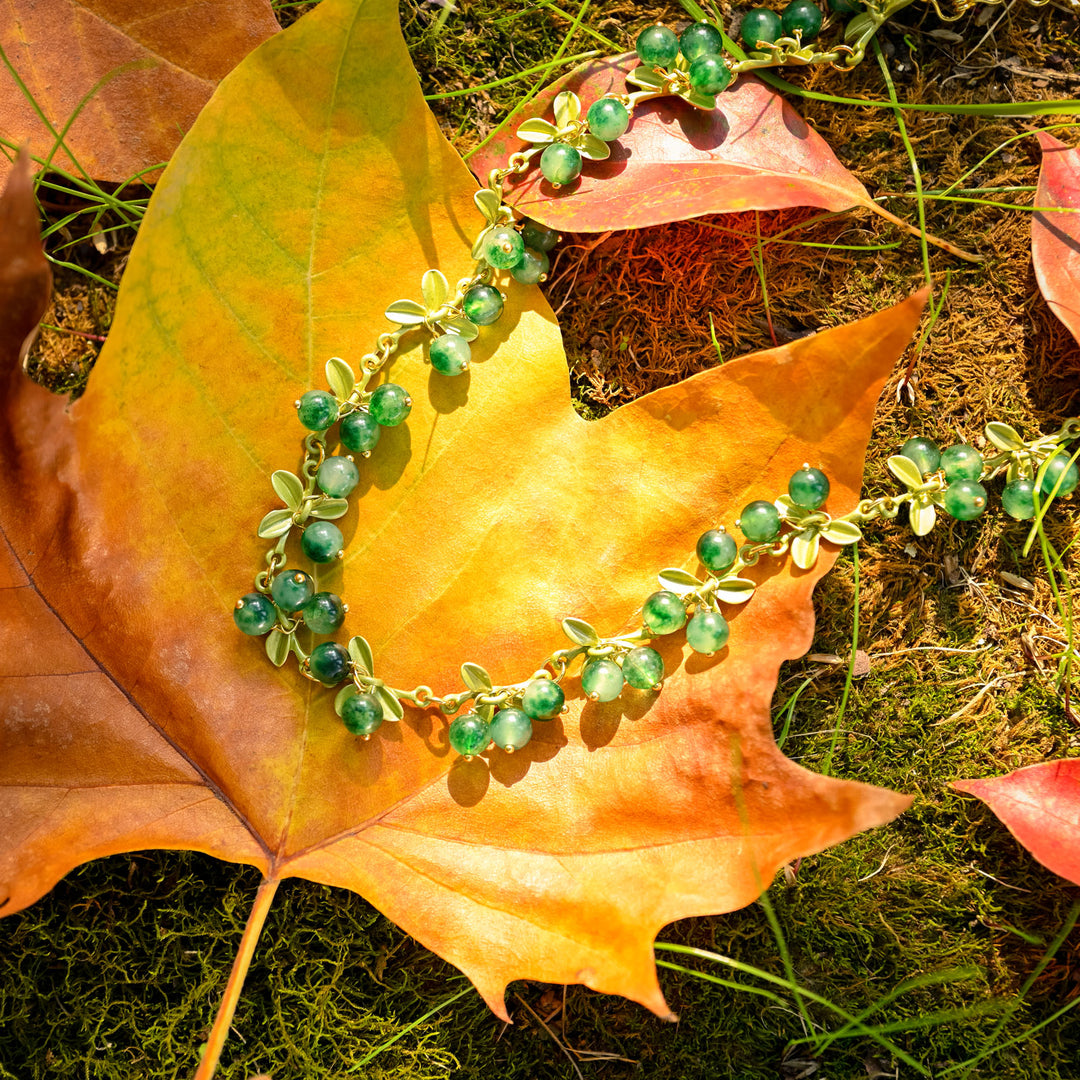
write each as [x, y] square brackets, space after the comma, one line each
[925, 453]
[532, 268]
[845, 7]
[390, 404]
[804, 16]
[760, 521]
[503, 248]
[808, 488]
[450, 354]
[602, 680]
[482, 305]
[324, 613]
[658, 46]
[709, 74]
[965, 499]
[360, 432]
[511, 729]
[760, 24]
[607, 119]
[362, 713]
[707, 632]
[1060, 467]
[1018, 498]
[469, 734]
[329, 662]
[337, 476]
[663, 612]
[700, 39]
[560, 163]
[717, 550]
[317, 410]
[543, 699]
[537, 237]
[292, 589]
[322, 542]
[961, 462]
[643, 668]
[254, 614]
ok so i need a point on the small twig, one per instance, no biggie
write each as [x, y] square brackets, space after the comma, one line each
[558, 1041]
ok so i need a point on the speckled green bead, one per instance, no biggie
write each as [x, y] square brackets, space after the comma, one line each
[360, 432]
[324, 613]
[663, 612]
[643, 668]
[390, 404]
[1018, 498]
[317, 410]
[707, 632]
[602, 680]
[961, 462]
[533, 267]
[469, 734]
[717, 550]
[808, 488]
[1068, 473]
[965, 500]
[362, 714]
[804, 16]
[560, 163]
[511, 729]
[254, 614]
[337, 476]
[657, 46]
[709, 74]
[292, 589]
[450, 354]
[503, 248]
[760, 522]
[322, 542]
[760, 24]
[700, 39]
[543, 699]
[925, 453]
[482, 305]
[537, 236]
[607, 119]
[329, 663]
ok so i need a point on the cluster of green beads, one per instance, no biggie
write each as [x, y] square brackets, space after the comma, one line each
[607, 119]
[800, 19]
[701, 47]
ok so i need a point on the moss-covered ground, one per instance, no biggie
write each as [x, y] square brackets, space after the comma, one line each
[118, 971]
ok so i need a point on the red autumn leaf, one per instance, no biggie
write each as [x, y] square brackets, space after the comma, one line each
[159, 66]
[1055, 237]
[1040, 805]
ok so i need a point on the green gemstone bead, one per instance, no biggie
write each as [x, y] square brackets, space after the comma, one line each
[804, 16]
[965, 499]
[322, 542]
[961, 462]
[292, 589]
[362, 714]
[643, 668]
[511, 729]
[700, 39]
[254, 614]
[360, 432]
[317, 410]
[808, 488]
[925, 454]
[536, 236]
[602, 680]
[329, 662]
[450, 354]
[532, 268]
[717, 550]
[1018, 498]
[560, 164]
[469, 734]
[707, 632]
[337, 476]
[607, 119]
[1060, 467]
[658, 46]
[760, 24]
[543, 699]
[663, 612]
[482, 305]
[845, 7]
[503, 248]
[760, 521]
[390, 404]
[709, 74]
[324, 613]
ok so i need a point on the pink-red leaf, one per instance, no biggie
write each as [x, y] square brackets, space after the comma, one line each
[1055, 237]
